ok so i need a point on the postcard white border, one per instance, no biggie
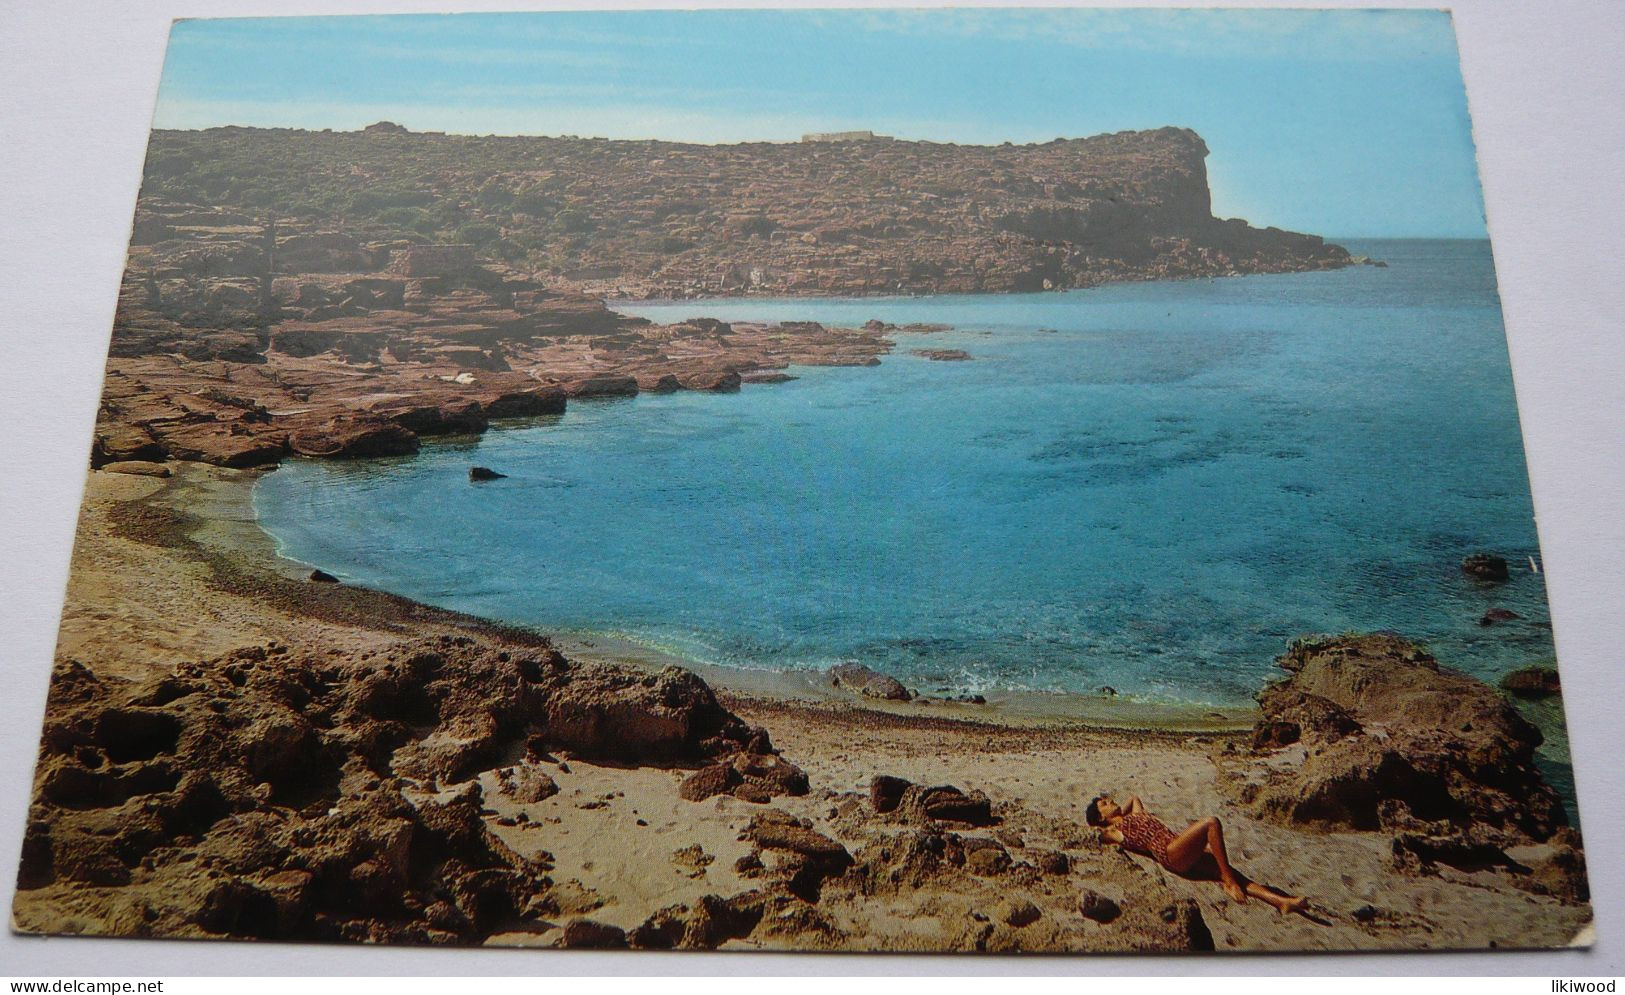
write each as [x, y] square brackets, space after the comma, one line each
[1543, 85]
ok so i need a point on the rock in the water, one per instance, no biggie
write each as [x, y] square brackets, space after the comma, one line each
[322, 577]
[871, 683]
[1495, 615]
[1535, 681]
[766, 376]
[1485, 567]
[942, 355]
[479, 473]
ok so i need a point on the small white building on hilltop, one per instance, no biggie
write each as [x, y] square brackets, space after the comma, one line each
[844, 136]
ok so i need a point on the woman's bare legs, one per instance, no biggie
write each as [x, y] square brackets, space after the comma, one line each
[1282, 903]
[1206, 836]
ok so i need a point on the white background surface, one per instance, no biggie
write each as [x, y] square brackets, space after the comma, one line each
[77, 85]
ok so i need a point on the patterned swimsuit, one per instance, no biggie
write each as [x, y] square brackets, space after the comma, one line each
[1146, 834]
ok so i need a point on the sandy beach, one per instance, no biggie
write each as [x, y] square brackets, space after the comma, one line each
[606, 849]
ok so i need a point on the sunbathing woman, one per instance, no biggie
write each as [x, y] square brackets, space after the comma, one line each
[1196, 853]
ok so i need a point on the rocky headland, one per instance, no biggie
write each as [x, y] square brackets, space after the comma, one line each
[664, 219]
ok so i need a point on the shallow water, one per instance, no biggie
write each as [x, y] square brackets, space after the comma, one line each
[1148, 486]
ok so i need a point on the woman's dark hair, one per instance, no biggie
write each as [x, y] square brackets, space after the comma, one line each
[1091, 814]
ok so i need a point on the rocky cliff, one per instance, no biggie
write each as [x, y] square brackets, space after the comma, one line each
[661, 219]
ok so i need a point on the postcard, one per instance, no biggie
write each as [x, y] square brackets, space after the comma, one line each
[829, 480]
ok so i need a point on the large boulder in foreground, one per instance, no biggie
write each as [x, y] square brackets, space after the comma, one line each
[1381, 722]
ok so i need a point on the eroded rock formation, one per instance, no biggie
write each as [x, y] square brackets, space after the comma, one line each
[1371, 733]
[273, 793]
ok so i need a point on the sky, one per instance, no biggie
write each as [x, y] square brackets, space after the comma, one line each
[1345, 123]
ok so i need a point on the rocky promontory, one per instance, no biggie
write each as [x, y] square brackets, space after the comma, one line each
[666, 219]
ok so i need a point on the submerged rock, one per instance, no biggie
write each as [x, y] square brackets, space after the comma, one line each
[1485, 567]
[479, 473]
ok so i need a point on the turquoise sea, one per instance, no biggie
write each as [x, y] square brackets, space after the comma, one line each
[1148, 486]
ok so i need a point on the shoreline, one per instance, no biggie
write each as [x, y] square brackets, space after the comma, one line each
[813, 692]
[174, 580]
[235, 527]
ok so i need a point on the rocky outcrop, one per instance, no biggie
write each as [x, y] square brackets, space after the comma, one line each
[318, 786]
[616, 713]
[240, 338]
[1388, 738]
[805, 857]
[753, 777]
[921, 805]
[354, 438]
